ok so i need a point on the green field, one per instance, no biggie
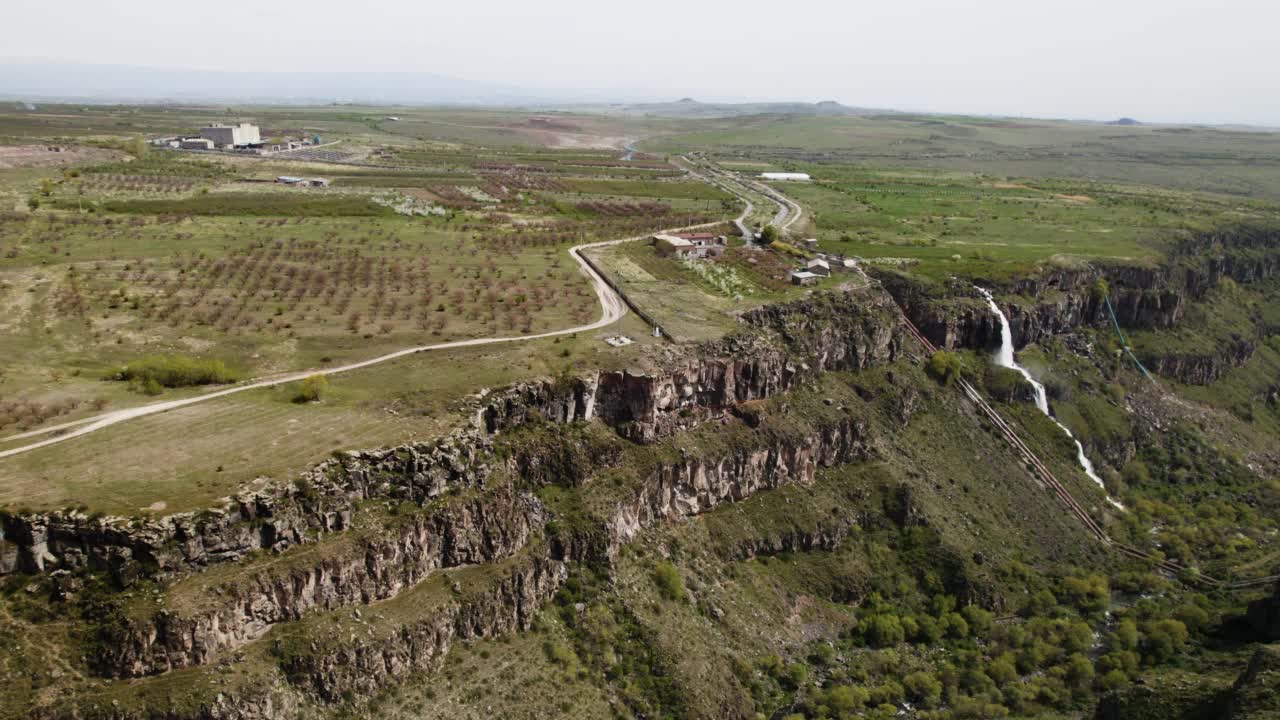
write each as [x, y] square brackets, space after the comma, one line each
[1230, 161]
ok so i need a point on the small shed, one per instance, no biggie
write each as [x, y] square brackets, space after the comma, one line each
[804, 277]
[819, 266]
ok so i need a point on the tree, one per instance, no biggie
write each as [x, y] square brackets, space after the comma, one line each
[923, 688]
[311, 389]
[945, 366]
[883, 630]
[769, 234]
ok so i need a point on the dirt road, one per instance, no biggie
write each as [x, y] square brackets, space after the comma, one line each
[611, 309]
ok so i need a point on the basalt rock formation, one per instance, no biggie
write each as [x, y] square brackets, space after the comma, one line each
[1060, 299]
[780, 346]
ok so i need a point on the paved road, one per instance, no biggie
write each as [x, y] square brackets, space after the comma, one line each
[612, 308]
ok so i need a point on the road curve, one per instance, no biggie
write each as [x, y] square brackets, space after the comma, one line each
[612, 309]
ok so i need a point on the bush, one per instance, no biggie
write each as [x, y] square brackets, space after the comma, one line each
[945, 366]
[923, 688]
[883, 630]
[174, 371]
[669, 582]
[311, 389]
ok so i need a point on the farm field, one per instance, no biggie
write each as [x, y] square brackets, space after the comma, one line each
[1237, 162]
[945, 223]
[133, 253]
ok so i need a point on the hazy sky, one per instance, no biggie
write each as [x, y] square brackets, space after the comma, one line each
[1176, 60]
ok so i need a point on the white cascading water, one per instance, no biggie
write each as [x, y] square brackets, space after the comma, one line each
[1004, 358]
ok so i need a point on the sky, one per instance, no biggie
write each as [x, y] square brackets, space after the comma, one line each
[1212, 61]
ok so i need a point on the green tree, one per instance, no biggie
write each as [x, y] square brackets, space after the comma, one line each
[945, 366]
[923, 688]
[311, 389]
[883, 630]
[769, 234]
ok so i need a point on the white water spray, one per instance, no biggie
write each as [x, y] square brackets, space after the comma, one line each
[1004, 358]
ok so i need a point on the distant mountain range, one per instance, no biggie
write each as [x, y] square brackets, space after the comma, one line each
[693, 109]
[40, 81]
[57, 81]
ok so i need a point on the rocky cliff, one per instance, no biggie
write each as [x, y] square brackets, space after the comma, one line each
[482, 529]
[1143, 296]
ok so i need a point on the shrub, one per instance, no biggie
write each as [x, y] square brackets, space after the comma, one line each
[945, 366]
[883, 630]
[669, 582]
[923, 688]
[174, 371]
[311, 389]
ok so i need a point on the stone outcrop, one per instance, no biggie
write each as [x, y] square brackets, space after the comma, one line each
[483, 529]
[784, 345]
[1201, 368]
[781, 346]
[360, 664]
[1058, 299]
[694, 485]
[274, 518]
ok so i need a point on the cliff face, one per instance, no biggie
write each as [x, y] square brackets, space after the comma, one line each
[784, 344]
[1201, 368]
[695, 485]
[274, 518]
[482, 530]
[361, 663]
[1059, 300]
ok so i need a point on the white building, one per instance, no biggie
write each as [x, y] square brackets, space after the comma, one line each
[232, 136]
[785, 176]
[819, 267]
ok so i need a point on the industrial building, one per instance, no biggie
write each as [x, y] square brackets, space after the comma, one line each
[785, 176]
[243, 135]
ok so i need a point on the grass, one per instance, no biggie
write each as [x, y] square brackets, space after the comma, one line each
[965, 224]
[1228, 161]
[190, 457]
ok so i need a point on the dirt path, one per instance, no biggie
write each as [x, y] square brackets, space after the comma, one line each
[612, 309]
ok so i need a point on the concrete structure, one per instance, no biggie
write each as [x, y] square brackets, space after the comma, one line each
[302, 182]
[785, 176]
[196, 143]
[690, 245]
[819, 267]
[700, 245]
[811, 243]
[232, 136]
[803, 277]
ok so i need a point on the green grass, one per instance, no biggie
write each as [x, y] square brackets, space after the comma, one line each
[190, 457]
[942, 224]
[1227, 161]
[248, 205]
[627, 188]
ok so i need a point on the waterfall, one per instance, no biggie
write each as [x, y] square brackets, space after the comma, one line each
[1004, 358]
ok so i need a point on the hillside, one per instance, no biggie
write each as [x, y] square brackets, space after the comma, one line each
[447, 435]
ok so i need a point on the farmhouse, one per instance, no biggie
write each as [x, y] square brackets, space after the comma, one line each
[232, 136]
[690, 245]
[785, 176]
[819, 267]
